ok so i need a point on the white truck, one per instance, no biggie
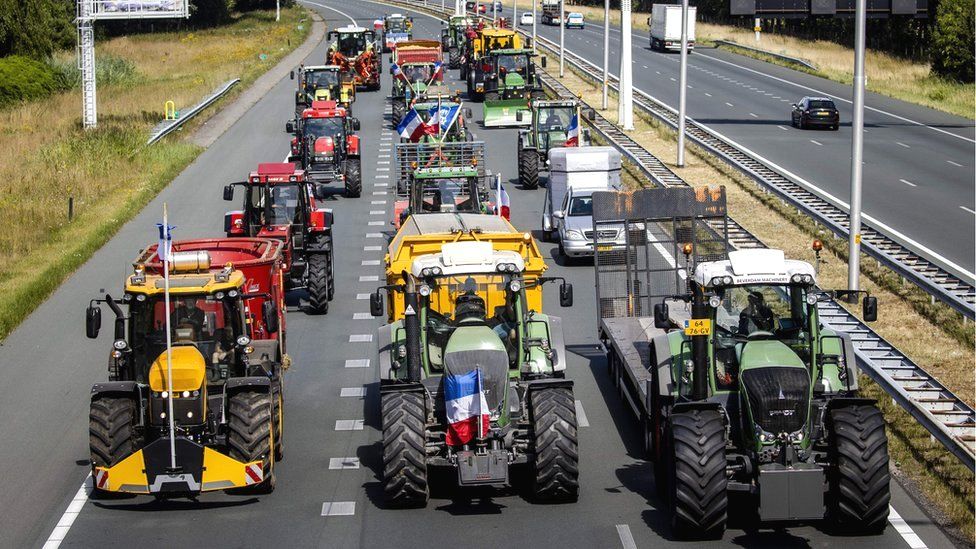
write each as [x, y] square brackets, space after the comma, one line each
[665, 25]
[574, 175]
[550, 12]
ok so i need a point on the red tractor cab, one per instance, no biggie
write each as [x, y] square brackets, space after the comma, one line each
[327, 146]
[280, 203]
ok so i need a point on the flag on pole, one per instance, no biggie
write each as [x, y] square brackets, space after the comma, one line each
[412, 126]
[165, 248]
[572, 132]
[443, 117]
[504, 203]
[466, 407]
[165, 253]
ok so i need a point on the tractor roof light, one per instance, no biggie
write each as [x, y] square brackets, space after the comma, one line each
[799, 278]
[817, 245]
[687, 249]
[139, 275]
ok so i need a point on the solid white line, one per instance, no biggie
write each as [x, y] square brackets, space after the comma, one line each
[581, 420]
[626, 538]
[349, 425]
[815, 142]
[903, 529]
[338, 508]
[968, 210]
[900, 144]
[360, 338]
[344, 463]
[70, 514]
[352, 392]
[784, 128]
[357, 363]
[907, 182]
[954, 163]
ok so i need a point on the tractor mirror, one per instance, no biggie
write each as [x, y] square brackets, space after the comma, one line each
[354, 122]
[586, 135]
[376, 304]
[467, 114]
[869, 308]
[93, 321]
[662, 317]
[543, 62]
[321, 191]
[591, 115]
[289, 127]
[292, 74]
[565, 295]
[228, 192]
[270, 313]
[558, 214]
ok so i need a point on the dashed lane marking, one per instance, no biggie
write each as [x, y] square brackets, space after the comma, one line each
[754, 115]
[374, 235]
[369, 278]
[374, 202]
[360, 338]
[581, 420]
[954, 163]
[817, 143]
[376, 223]
[904, 530]
[377, 212]
[729, 104]
[362, 296]
[357, 363]
[784, 128]
[338, 508]
[372, 248]
[352, 392]
[370, 262]
[900, 144]
[907, 182]
[70, 514]
[626, 538]
[344, 463]
[349, 425]
[362, 316]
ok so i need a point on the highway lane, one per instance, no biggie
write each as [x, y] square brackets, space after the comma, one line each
[913, 174]
[46, 381]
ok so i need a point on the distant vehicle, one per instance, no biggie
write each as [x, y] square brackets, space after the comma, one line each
[574, 20]
[567, 217]
[550, 12]
[470, 7]
[665, 25]
[815, 111]
[526, 19]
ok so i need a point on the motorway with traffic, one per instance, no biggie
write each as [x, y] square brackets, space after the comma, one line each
[329, 491]
[918, 162]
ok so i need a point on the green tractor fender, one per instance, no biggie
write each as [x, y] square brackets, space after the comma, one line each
[838, 362]
[549, 359]
[390, 337]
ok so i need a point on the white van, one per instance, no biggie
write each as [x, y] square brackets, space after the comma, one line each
[575, 173]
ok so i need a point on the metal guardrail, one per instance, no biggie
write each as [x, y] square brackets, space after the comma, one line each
[947, 418]
[166, 127]
[780, 56]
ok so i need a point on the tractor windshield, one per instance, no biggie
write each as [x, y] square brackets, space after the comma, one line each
[553, 125]
[396, 25]
[352, 44]
[206, 322]
[508, 64]
[274, 205]
[418, 73]
[450, 195]
[323, 127]
[322, 79]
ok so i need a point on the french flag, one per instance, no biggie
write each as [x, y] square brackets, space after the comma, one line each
[504, 202]
[465, 405]
[572, 132]
[412, 127]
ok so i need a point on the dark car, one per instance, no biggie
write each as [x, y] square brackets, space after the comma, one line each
[815, 111]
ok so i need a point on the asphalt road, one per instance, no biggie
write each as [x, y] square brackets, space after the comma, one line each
[47, 368]
[918, 162]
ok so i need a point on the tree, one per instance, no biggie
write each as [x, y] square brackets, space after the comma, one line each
[953, 39]
[36, 28]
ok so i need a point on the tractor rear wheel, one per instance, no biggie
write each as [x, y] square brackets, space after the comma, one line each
[859, 491]
[318, 284]
[354, 178]
[404, 457]
[251, 426]
[697, 485]
[528, 166]
[331, 275]
[454, 58]
[111, 433]
[398, 112]
[279, 419]
[554, 435]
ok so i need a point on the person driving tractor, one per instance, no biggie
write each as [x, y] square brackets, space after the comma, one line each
[757, 317]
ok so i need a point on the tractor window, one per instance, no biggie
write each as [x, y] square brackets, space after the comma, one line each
[396, 25]
[512, 64]
[322, 79]
[451, 195]
[555, 118]
[323, 127]
[749, 309]
[417, 73]
[351, 45]
[275, 204]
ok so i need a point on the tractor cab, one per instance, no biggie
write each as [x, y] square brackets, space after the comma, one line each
[350, 41]
[509, 84]
[551, 124]
[325, 143]
[441, 178]
[324, 83]
[397, 23]
[354, 50]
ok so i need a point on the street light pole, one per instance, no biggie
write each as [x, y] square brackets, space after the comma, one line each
[683, 84]
[278, 10]
[606, 52]
[534, 2]
[625, 97]
[857, 149]
[562, 34]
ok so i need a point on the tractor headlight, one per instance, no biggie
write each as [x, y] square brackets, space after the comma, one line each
[243, 341]
[715, 301]
[141, 297]
[219, 295]
[164, 394]
[232, 294]
[811, 299]
[424, 290]
[796, 279]
[807, 279]
[436, 270]
[120, 345]
[426, 272]
[515, 286]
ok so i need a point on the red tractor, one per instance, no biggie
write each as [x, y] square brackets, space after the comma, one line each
[280, 203]
[327, 146]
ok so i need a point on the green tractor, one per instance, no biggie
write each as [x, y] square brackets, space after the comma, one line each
[441, 177]
[553, 124]
[743, 392]
[472, 378]
[453, 39]
[509, 86]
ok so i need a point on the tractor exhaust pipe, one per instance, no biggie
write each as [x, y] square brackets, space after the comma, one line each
[411, 321]
[699, 346]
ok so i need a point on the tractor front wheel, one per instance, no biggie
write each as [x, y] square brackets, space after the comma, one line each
[859, 492]
[354, 178]
[404, 456]
[318, 284]
[697, 485]
[111, 434]
[250, 437]
[556, 446]
[528, 166]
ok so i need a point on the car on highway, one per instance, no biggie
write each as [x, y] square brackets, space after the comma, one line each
[526, 19]
[812, 112]
[574, 20]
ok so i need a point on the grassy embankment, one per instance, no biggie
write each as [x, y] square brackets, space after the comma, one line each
[45, 156]
[946, 353]
[887, 75]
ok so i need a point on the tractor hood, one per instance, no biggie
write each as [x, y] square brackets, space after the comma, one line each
[474, 346]
[514, 80]
[776, 388]
[189, 369]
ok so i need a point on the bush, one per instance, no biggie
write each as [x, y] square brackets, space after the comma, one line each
[109, 70]
[952, 40]
[23, 79]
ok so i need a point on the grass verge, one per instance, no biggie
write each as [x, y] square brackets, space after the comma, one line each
[942, 481]
[46, 158]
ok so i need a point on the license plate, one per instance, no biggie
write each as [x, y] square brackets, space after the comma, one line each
[604, 248]
[698, 327]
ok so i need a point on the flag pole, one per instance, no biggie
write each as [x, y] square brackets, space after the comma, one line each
[164, 256]
[498, 196]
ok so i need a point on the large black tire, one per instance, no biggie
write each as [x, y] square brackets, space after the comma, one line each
[555, 444]
[399, 110]
[111, 433]
[858, 478]
[453, 58]
[279, 419]
[354, 178]
[697, 483]
[331, 290]
[317, 285]
[528, 167]
[404, 457]
[251, 427]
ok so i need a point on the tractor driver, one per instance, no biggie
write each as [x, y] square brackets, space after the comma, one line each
[417, 73]
[351, 44]
[757, 316]
[187, 313]
[553, 122]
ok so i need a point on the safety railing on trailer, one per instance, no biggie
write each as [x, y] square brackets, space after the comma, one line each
[460, 156]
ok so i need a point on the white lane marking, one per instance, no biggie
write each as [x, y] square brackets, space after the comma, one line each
[690, 87]
[729, 104]
[346, 15]
[362, 296]
[659, 72]
[380, 193]
[954, 163]
[673, 80]
[900, 144]
[357, 363]
[374, 202]
[381, 185]
[907, 182]
[581, 420]
[382, 169]
[370, 262]
[903, 529]
[645, 66]
[372, 248]
[360, 338]
[376, 223]
[754, 115]
[708, 94]
[626, 538]
[374, 235]
[377, 212]
[776, 96]
[338, 508]
[70, 514]
[349, 425]
[817, 143]
[383, 156]
[352, 392]
[344, 463]
[362, 316]
[784, 128]
[970, 210]
[382, 161]
[369, 278]
[382, 177]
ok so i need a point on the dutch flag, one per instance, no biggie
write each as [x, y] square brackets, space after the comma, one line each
[412, 127]
[572, 133]
[465, 405]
